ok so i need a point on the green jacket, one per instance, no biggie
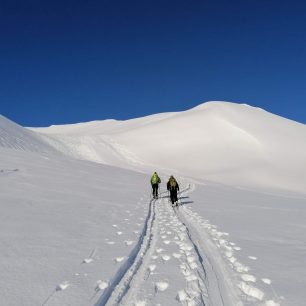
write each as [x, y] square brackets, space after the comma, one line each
[155, 179]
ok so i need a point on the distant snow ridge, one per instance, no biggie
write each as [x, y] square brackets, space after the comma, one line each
[220, 141]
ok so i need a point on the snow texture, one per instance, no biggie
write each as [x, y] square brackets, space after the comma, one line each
[79, 225]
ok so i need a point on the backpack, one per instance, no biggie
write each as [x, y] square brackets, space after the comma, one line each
[155, 179]
[172, 183]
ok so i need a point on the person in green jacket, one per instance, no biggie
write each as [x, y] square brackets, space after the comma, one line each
[155, 181]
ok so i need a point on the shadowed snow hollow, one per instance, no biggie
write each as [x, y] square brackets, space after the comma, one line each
[225, 142]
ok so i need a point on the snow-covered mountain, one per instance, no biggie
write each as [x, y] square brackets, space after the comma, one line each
[78, 225]
[224, 142]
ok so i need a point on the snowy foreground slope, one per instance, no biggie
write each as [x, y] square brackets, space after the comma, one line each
[77, 232]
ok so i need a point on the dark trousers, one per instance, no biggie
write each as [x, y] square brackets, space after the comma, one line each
[173, 195]
[155, 190]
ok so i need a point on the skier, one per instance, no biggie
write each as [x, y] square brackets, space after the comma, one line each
[173, 187]
[155, 180]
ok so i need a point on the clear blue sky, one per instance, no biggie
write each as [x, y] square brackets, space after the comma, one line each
[71, 61]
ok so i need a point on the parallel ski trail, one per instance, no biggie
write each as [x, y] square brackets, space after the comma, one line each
[218, 279]
[143, 268]
[191, 267]
[120, 283]
[197, 265]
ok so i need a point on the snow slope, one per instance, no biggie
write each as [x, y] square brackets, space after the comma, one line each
[64, 225]
[225, 142]
[76, 232]
[16, 137]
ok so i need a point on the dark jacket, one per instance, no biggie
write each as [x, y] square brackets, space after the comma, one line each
[172, 186]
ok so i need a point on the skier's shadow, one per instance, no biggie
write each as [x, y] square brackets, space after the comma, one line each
[179, 198]
[165, 197]
[186, 202]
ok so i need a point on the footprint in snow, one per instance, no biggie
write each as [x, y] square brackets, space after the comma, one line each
[182, 296]
[191, 278]
[119, 233]
[190, 259]
[239, 267]
[222, 242]
[62, 286]
[152, 268]
[161, 286]
[251, 291]
[185, 247]
[159, 250]
[110, 242]
[167, 241]
[140, 303]
[101, 285]
[176, 255]
[229, 254]
[232, 259]
[129, 242]
[119, 259]
[87, 260]
[193, 265]
[248, 278]
[253, 257]
[267, 281]
[237, 248]
[166, 257]
[271, 303]
[114, 225]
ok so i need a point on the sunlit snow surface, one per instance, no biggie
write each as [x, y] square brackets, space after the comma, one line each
[78, 232]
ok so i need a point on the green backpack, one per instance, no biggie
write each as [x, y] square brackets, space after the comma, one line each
[155, 179]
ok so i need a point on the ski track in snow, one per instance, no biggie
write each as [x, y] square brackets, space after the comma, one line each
[120, 283]
[217, 251]
[205, 259]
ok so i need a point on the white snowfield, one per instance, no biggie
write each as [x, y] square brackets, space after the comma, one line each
[79, 227]
[223, 142]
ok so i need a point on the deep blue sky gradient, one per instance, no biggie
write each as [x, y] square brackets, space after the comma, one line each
[72, 61]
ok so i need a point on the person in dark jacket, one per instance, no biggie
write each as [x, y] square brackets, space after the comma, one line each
[155, 180]
[173, 187]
